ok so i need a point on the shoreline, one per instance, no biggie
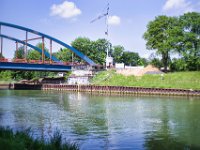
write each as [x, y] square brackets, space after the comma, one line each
[121, 90]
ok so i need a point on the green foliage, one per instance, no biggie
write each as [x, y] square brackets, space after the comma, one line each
[64, 55]
[180, 35]
[178, 65]
[117, 53]
[182, 80]
[95, 50]
[131, 58]
[189, 46]
[23, 140]
[33, 55]
[160, 36]
[156, 62]
[5, 75]
[19, 54]
[142, 62]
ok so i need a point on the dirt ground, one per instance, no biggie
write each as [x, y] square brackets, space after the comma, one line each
[139, 71]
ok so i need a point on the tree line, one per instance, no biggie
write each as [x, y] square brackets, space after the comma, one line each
[175, 35]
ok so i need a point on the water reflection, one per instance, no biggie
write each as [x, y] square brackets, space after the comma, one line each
[105, 122]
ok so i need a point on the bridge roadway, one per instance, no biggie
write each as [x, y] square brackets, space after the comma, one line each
[34, 67]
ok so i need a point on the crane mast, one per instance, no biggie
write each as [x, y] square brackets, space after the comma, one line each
[105, 15]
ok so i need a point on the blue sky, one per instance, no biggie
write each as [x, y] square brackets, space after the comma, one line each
[69, 19]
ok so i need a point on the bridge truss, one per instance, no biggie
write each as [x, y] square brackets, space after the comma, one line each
[44, 53]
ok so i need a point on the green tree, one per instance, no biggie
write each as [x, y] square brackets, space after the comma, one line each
[64, 55]
[101, 49]
[95, 50]
[19, 54]
[178, 64]
[117, 53]
[130, 58]
[39, 45]
[5, 75]
[189, 44]
[160, 36]
[82, 44]
[143, 62]
[33, 55]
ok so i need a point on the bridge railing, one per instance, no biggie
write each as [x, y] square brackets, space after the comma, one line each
[16, 60]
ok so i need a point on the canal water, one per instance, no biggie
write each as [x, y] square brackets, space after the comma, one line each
[105, 122]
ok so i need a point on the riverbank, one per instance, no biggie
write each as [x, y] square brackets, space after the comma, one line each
[176, 80]
[22, 140]
[122, 90]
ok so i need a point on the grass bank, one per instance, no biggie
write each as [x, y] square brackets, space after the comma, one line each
[179, 80]
[22, 140]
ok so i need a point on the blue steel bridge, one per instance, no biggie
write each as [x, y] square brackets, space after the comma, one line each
[53, 64]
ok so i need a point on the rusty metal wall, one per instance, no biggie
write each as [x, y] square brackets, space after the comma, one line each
[120, 89]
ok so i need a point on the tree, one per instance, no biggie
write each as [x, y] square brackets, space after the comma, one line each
[64, 55]
[160, 36]
[5, 75]
[95, 50]
[19, 53]
[189, 44]
[82, 44]
[33, 55]
[101, 49]
[39, 45]
[178, 64]
[117, 53]
[130, 58]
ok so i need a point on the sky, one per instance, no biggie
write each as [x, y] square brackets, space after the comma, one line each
[69, 19]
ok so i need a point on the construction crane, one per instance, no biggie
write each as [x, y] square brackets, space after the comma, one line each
[105, 15]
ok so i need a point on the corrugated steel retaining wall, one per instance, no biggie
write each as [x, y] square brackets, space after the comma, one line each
[120, 89]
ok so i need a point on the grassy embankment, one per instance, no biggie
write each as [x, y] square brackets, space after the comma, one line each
[23, 140]
[179, 80]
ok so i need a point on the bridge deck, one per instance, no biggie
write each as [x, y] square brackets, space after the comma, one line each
[34, 67]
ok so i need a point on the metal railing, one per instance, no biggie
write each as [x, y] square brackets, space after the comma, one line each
[16, 60]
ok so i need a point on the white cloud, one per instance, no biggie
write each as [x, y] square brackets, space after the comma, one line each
[65, 10]
[114, 20]
[178, 5]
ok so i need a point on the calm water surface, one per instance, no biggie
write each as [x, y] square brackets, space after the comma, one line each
[105, 122]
